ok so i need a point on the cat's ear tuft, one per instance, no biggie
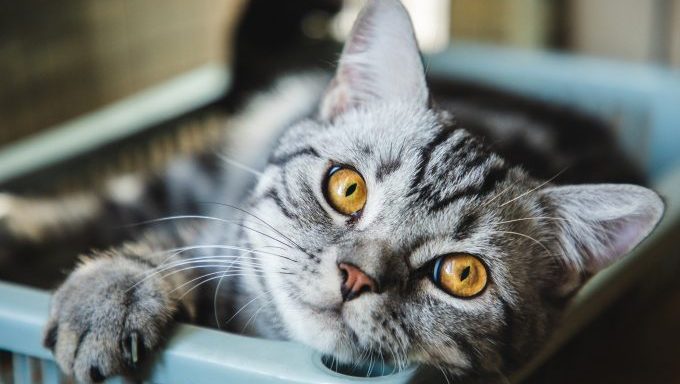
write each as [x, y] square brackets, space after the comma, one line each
[603, 222]
[380, 61]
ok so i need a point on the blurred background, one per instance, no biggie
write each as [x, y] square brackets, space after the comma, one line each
[62, 60]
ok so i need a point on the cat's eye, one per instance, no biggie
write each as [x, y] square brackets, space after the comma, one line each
[345, 190]
[460, 275]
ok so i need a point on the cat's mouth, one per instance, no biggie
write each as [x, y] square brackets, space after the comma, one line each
[334, 309]
[343, 330]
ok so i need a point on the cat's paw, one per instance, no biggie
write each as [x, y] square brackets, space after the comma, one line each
[106, 317]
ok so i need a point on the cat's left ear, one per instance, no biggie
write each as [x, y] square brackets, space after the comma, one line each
[601, 223]
[380, 61]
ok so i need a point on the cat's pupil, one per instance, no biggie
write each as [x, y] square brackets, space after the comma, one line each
[465, 273]
[350, 190]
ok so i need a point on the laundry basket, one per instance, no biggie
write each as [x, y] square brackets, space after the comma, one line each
[643, 103]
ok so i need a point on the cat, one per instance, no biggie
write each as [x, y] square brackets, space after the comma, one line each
[378, 224]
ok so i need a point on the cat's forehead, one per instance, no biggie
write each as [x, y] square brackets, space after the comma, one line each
[417, 168]
[364, 134]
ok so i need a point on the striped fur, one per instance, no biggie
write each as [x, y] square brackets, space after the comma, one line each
[266, 246]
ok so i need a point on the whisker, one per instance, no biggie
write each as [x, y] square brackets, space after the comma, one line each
[382, 358]
[528, 237]
[177, 251]
[262, 221]
[252, 317]
[217, 288]
[499, 194]
[370, 364]
[239, 165]
[203, 263]
[361, 360]
[207, 260]
[529, 218]
[204, 276]
[246, 305]
[230, 247]
[209, 266]
[210, 279]
[220, 260]
[208, 218]
[441, 369]
[534, 189]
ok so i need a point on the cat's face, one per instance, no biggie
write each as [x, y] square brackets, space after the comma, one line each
[431, 191]
[470, 259]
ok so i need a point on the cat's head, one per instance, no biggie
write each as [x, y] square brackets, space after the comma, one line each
[404, 237]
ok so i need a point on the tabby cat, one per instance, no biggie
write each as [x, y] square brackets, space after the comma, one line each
[377, 219]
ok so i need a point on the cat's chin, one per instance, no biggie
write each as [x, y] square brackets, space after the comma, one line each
[343, 331]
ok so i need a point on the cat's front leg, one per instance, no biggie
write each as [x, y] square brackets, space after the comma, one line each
[113, 310]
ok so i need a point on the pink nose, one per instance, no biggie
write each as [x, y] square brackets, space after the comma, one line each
[355, 282]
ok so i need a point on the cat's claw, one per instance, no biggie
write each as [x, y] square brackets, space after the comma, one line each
[101, 327]
[135, 348]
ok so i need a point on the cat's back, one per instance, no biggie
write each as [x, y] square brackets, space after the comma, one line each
[546, 139]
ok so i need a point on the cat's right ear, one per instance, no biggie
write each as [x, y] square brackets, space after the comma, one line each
[599, 224]
[380, 62]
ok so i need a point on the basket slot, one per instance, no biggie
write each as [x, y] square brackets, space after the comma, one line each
[29, 370]
[21, 369]
[50, 372]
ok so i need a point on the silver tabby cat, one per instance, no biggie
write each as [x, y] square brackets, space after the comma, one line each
[377, 227]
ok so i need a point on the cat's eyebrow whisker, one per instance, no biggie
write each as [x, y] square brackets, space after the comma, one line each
[528, 237]
[240, 165]
[534, 189]
[499, 194]
[529, 218]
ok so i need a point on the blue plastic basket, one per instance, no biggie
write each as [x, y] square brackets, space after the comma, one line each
[642, 102]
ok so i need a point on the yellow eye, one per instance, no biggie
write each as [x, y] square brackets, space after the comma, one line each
[345, 190]
[460, 275]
